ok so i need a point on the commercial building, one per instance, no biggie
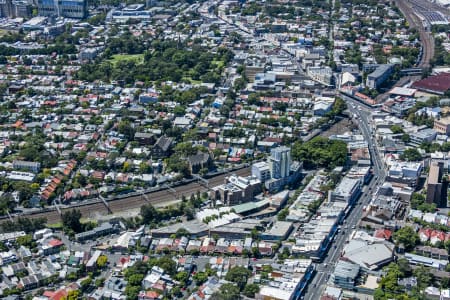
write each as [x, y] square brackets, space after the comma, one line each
[345, 275]
[323, 75]
[436, 253]
[261, 171]
[404, 173]
[88, 54]
[315, 236]
[92, 262]
[435, 189]
[279, 231]
[442, 125]
[369, 255]
[422, 136]
[195, 228]
[264, 81]
[101, 230]
[237, 230]
[279, 162]
[276, 184]
[292, 277]
[14, 9]
[437, 84]
[279, 170]
[27, 165]
[426, 261]
[347, 191]
[76, 9]
[322, 106]
[236, 190]
[380, 75]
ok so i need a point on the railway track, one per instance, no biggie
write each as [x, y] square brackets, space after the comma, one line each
[425, 37]
[90, 210]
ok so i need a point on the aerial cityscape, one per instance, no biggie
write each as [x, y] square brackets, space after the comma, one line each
[224, 149]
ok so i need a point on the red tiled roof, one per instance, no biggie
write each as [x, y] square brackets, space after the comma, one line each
[48, 294]
[55, 243]
[59, 295]
[383, 234]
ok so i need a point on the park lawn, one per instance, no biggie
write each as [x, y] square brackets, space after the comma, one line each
[138, 58]
[85, 220]
[218, 63]
[55, 226]
[192, 81]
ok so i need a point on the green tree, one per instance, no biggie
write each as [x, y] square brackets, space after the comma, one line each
[71, 220]
[126, 129]
[405, 138]
[86, 283]
[238, 275]
[99, 282]
[102, 260]
[389, 283]
[411, 154]
[135, 279]
[182, 277]
[176, 292]
[250, 290]
[132, 291]
[320, 152]
[167, 264]
[396, 129]
[227, 291]
[25, 224]
[283, 214]
[200, 278]
[424, 277]
[406, 236]
[26, 240]
[404, 267]
[73, 295]
[149, 214]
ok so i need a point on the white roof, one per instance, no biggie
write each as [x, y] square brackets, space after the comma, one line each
[368, 256]
[403, 91]
[348, 77]
[275, 293]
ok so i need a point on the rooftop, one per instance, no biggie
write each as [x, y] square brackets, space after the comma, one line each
[438, 83]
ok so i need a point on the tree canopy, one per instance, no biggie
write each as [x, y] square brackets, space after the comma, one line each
[411, 154]
[168, 61]
[406, 236]
[320, 152]
[227, 291]
[71, 220]
[238, 275]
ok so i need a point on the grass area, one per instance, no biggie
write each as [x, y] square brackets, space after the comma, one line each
[58, 225]
[218, 63]
[192, 81]
[87, 220]
[138, 58]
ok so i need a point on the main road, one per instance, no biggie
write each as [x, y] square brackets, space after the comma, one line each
[325, 269]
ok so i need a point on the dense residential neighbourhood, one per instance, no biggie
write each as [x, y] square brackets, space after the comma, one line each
[223, 149]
